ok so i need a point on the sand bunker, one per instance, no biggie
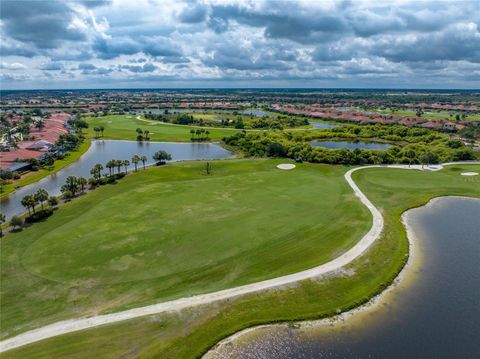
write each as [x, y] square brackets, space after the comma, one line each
[469, 173]
[286, 166]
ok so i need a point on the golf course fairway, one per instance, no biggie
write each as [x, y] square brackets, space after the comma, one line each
[123, 127]
[174, 231]
[191, 332]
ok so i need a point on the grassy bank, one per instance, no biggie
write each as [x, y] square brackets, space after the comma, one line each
[174, 231]
[190, 333]
[122, 127]
[35, 176]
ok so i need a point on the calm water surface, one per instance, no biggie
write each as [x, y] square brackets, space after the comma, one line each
[103, 151]
[433, 313]
[334, 145]
[316, 124]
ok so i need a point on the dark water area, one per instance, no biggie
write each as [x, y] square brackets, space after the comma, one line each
[335, 145]
[434, 312]
[258, 113]
[103, 151]
[316, 124]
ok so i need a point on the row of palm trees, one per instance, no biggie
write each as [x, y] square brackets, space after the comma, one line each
[99, 130]
[74, 185]
[31, 201]
[142, 135]
[199, 132]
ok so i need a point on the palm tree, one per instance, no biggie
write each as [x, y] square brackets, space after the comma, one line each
[39, 124]
[96, 171]
[111, 165]
[126, 163]
[71, 184]
[207, 132]
[119, 164]
[192, 133]
[101, 128]
[96, 129]
[146, 133]
[82, 182]
[135, 160]
[27, 202]
[41, 196]
[144, 160]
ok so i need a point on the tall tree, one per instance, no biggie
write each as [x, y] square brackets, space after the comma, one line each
[27, 202]
[82, 182]
[119, 164]
[135, 160]
[71, 185]
[161, 156]
[111, 165]
[41, 196]
[126, 163]
[144, 160]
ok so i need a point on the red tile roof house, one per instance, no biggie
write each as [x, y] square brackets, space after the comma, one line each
[54, 127]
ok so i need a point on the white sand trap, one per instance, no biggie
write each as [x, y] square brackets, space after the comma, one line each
[286, 166]
[469, 173]
[109, 121]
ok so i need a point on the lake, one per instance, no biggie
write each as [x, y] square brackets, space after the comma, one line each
[101, 151]
[316, 124]
[260, 113]
[351, 145]
[433, 312]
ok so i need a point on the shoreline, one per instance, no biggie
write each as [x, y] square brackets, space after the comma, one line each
[404, 278]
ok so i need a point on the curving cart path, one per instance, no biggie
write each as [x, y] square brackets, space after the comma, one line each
[73, 325]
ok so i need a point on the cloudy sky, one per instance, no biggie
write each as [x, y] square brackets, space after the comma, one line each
[170, 43]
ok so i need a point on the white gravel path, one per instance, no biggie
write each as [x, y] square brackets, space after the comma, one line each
[73, 325]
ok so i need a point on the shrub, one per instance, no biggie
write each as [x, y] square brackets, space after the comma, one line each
[68, 194]
[111, 179]
[39, 215]
[52, 201]
[6, 174]
[120, 175]
[16, 222]
[102, 181]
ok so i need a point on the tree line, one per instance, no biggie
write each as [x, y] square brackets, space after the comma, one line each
[75, 186]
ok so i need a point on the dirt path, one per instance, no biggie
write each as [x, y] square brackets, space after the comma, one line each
[73, 325]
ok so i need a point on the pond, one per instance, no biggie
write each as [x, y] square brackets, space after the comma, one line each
[260, 113]
[104, 150]
[351, 145]
[433, 312]
[316, 124]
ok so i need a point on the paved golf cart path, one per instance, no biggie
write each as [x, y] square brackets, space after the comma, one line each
[73, 325]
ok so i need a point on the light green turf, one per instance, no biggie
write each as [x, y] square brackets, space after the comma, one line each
[35, 176]
[122, 127]
[434, 115]
[190, 333]
[174, 231]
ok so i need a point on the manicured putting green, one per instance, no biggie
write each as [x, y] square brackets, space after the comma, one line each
[174, 231]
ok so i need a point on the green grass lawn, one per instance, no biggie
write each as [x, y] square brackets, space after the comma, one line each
[430, 114]
[35, 176]
[173, 231]
[189, 333]
[122, 127]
